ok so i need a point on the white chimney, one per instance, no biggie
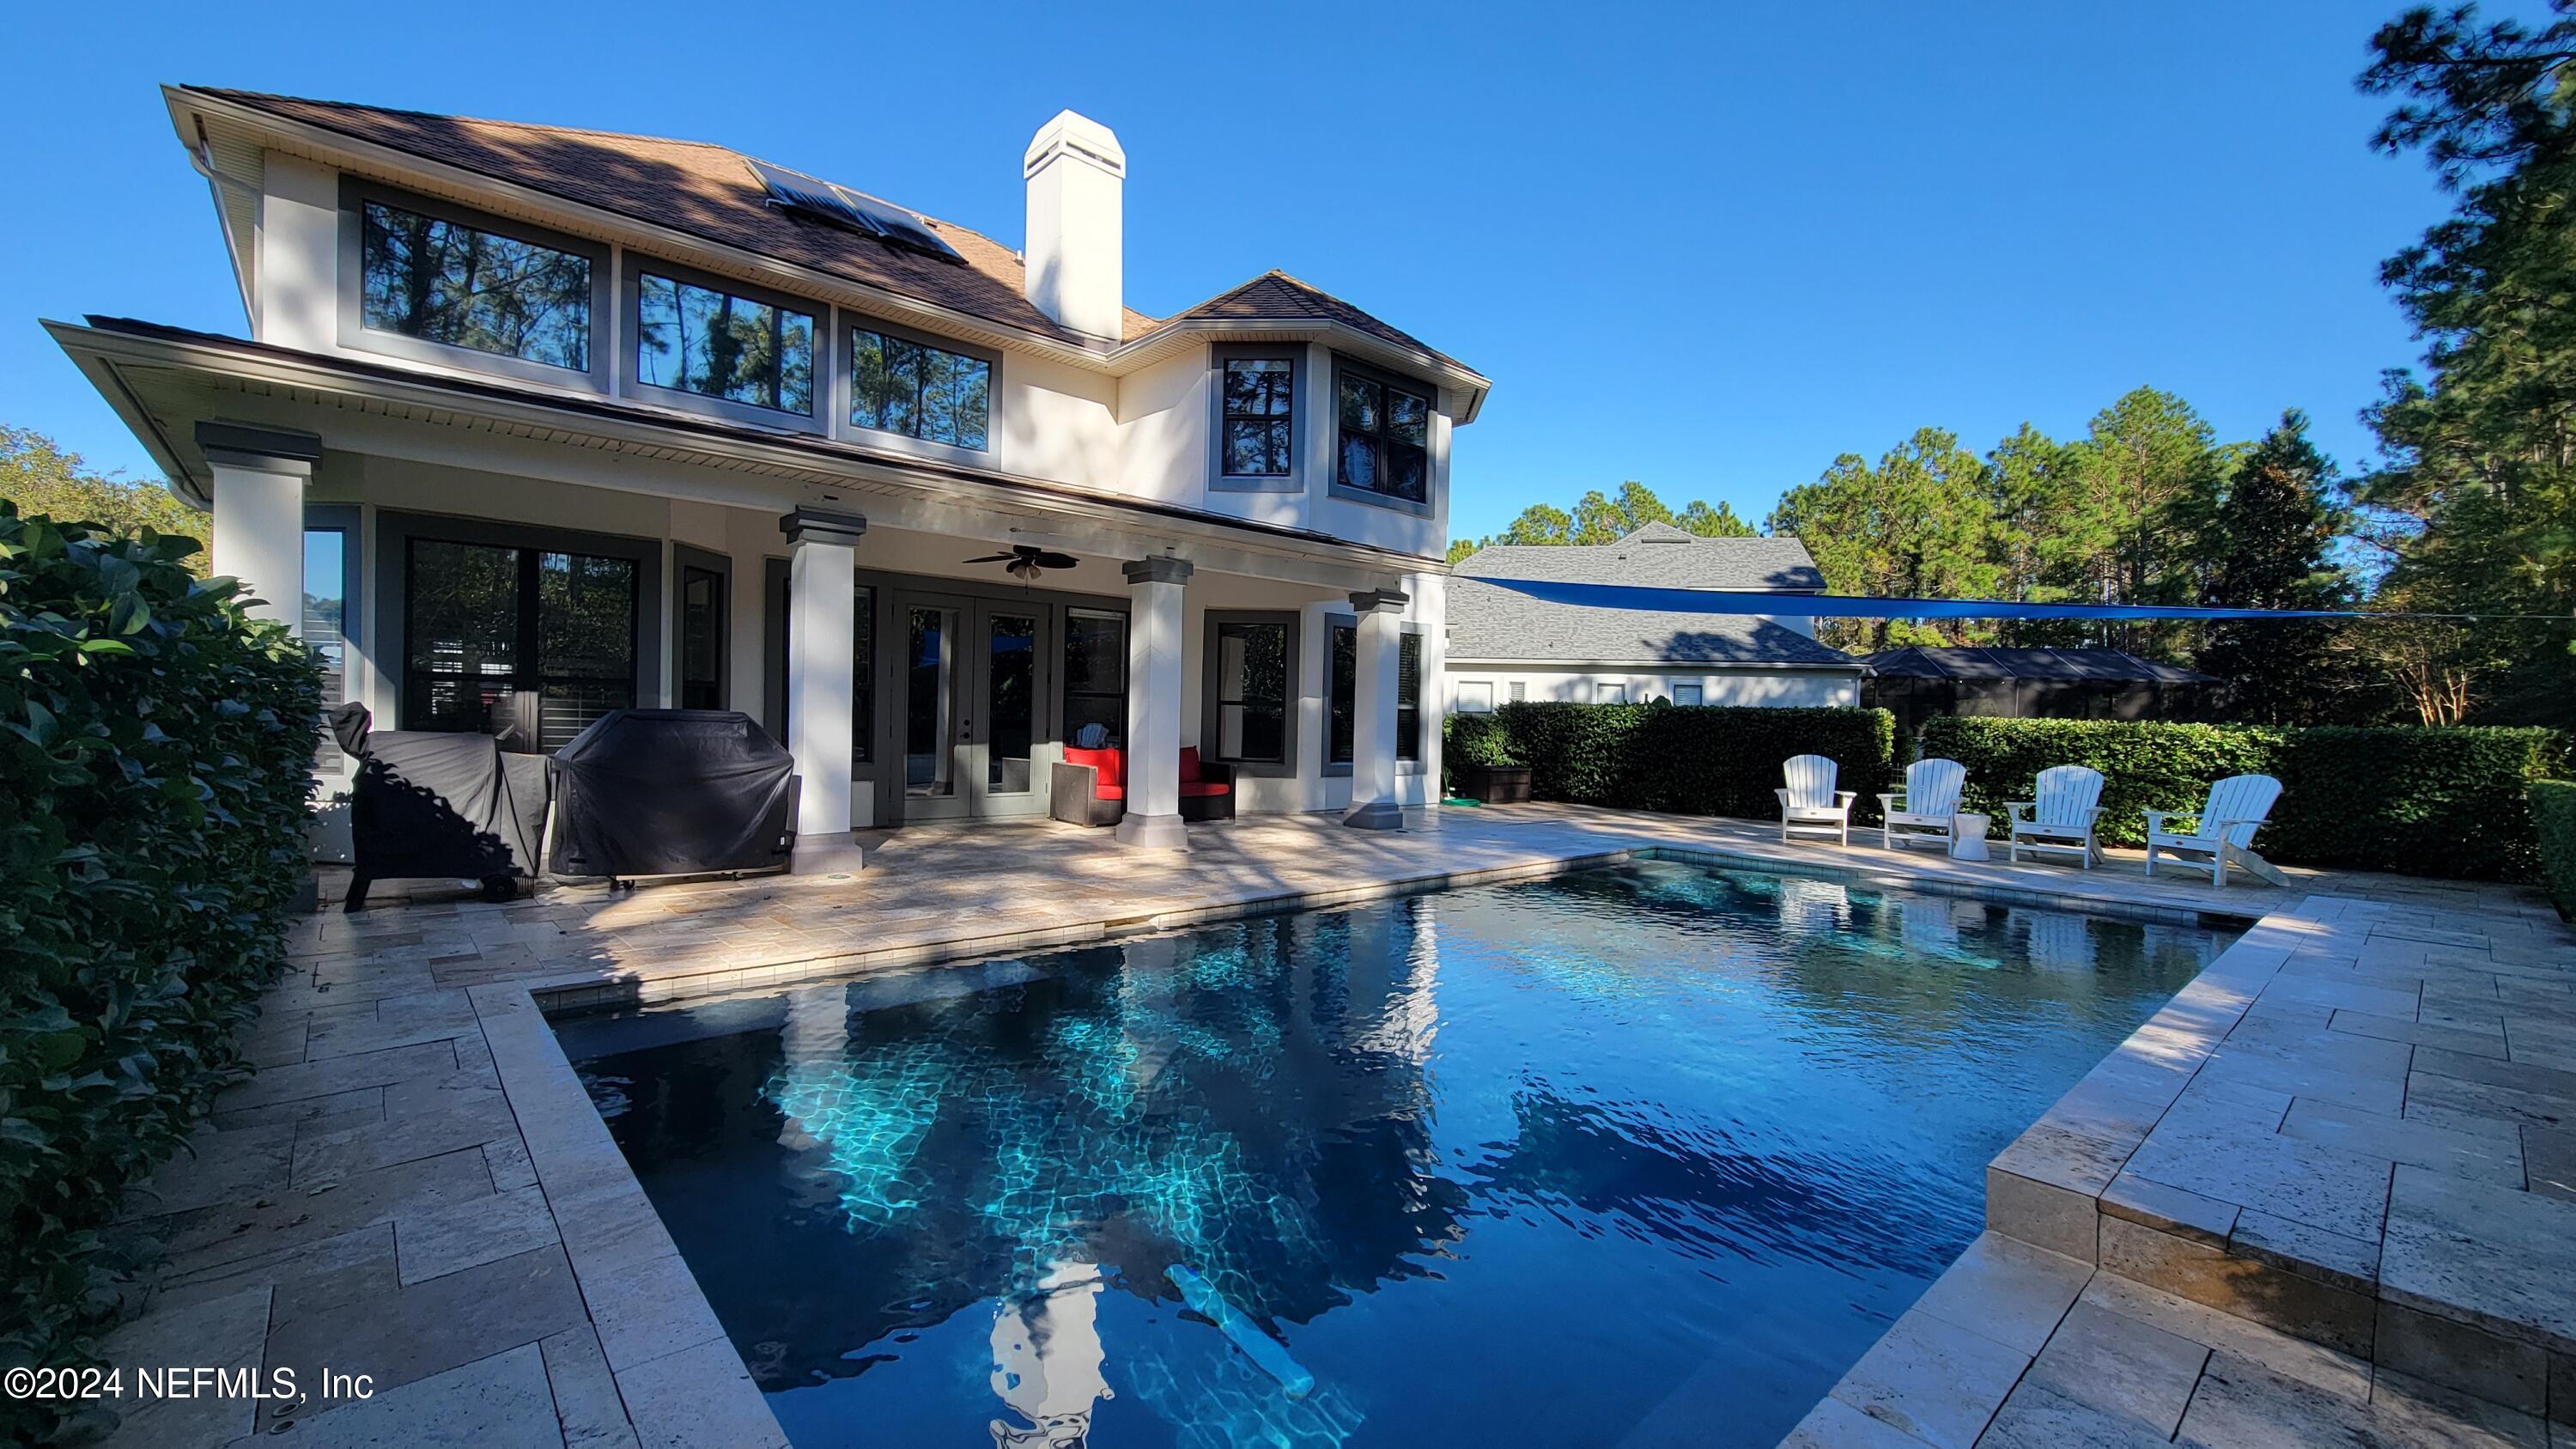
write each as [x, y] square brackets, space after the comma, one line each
[1077, 177]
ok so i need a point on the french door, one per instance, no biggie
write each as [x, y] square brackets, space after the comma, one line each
[973, 681]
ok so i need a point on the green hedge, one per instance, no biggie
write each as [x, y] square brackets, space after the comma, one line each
[155, 753]
[2432, 802]
[1693, 761]
[2553, 816]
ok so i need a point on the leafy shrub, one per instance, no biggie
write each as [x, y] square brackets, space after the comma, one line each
[2436, 802]
[1472, 739]
[155, 754]
[1698, 761]
[2553, 814]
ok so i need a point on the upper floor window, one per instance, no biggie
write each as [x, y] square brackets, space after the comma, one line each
[901, 386]
[1260, 404]
[1385, 435]
[718, 344]
[442, 281]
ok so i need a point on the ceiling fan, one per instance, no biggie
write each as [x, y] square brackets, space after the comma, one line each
[1025, 561]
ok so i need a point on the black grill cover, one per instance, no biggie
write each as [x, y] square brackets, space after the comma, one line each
[671, 792]
[430, 803]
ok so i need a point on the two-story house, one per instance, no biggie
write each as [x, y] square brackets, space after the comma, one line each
[537, 423]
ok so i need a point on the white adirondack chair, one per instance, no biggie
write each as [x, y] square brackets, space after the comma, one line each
[2061, 819]
[2222, 831]
[1928, 807]
[1810, 804]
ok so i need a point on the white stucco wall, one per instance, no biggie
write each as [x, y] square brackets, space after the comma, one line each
[1760, 687]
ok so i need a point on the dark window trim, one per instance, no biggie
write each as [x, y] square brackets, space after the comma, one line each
[1292, 481]
[630, 300]
[1422, 712]
[356, 336]
[845, 382]
[394, 535]
[1430, 449]
[690, 556]
[1286, 766]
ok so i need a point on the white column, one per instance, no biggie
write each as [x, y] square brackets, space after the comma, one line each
[1154, 632]
[1373, 802]
[259, 479]
[822, 644]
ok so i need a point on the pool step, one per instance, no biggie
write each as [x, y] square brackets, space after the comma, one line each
[2323, 1201]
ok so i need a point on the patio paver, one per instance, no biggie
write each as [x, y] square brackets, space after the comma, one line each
[417, 1183]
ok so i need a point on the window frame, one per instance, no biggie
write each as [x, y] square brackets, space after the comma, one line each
[1292, 481]
[396, 531]
[824, 387]
[1064, 690]
[1694, 687]
[346, 520]
[1430, 430]
[846, 327]
[1599, 685]
[1211, 706]
[1423, 719]
[356, 336]
[1486, 685]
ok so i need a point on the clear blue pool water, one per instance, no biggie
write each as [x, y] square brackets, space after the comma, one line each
[1641, 1155]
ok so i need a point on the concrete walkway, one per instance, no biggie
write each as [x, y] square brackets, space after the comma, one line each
[415, 1187]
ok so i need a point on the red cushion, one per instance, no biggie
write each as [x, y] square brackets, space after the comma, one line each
[1189, 763]
[1111, 763]
[1195, 788]
[1109, 792]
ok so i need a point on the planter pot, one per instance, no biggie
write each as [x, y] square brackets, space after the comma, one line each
[1495, 784]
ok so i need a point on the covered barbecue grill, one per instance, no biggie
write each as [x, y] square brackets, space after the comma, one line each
[437, 804]
[672, 792]
[1920, 681]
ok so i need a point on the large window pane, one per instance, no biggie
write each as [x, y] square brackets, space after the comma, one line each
[1385, 439]
[462, 643]
[930, 717]
[901, 386]
[1258, 407]
[1095, 675]
[700, 340]
[863, 695]
[529, 645]
[1341, 695]
[442, 282]
[1252, 693]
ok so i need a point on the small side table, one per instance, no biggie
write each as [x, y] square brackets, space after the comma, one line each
[1968, 836]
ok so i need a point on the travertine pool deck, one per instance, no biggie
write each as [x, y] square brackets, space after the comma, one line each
[415, 1187]
[2326, 1196]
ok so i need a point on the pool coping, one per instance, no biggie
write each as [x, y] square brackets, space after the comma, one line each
[682, 1379]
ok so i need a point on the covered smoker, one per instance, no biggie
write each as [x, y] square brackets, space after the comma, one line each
[438, 804]
[672, 792]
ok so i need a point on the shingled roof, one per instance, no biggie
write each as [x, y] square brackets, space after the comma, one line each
[710, 190]
[1655, 556]
[1489, 621]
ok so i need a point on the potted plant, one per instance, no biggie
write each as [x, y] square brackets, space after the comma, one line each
[1482, 764]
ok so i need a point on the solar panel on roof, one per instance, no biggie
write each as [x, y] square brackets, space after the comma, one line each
[796, 191]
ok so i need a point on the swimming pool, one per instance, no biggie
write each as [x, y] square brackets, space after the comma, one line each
[1639, 1155]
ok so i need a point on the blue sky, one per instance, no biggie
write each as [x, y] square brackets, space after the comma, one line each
[1709, 249]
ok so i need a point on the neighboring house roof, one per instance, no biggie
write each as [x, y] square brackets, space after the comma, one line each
[710, 190]
[2060, 665]
[1488, 621]
[1656, 556]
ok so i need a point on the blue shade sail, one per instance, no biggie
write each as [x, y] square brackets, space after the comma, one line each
[1846, 606]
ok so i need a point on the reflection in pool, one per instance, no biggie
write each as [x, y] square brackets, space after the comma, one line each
[1640, 1155]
